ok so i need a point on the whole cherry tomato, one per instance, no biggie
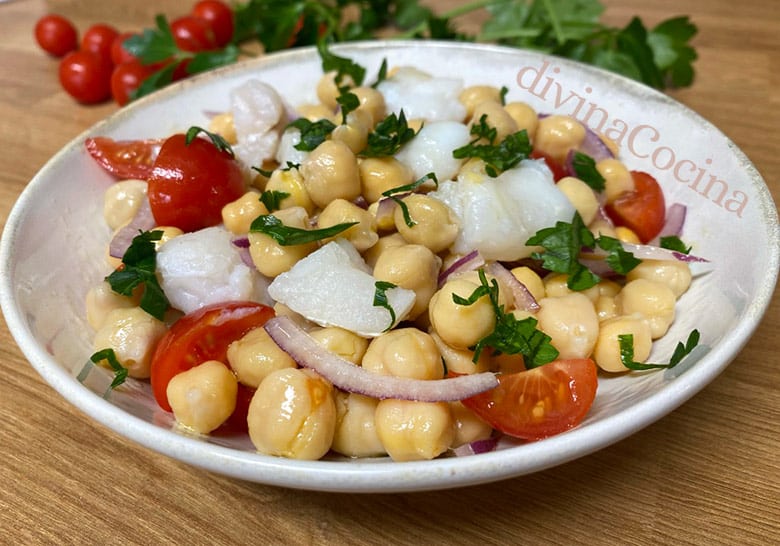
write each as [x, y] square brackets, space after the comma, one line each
[126, 78]
[190, 183]
[219, 17]
[539, 402]
[199, 336]
[643, 210]
[56, 35]
[86, 76]
[119, 54]
[99, 39]
[193, 34]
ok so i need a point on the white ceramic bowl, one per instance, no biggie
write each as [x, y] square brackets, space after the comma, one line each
[50, 258]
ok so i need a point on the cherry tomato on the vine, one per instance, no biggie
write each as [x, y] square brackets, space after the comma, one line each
[86, 76]
[219, 16]
[99, 39]
[539, 402]
[56, 35]
[642, 210]
[190, 183]
[202, 335]
[126, 78]
[125, 158]
[193, 34]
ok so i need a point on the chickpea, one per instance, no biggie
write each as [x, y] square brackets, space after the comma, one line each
[412, 431]
[372, 102]
[557, 135]
[122, 200]
[271, 258]
[497, 118]
[354, 133]
[436, 226]
[530, 280]
[602, 227]
[239, 214]
[222, 124]
[101, 300]
[348, 345]
[606, 353]
[413, 267]
[461, 326]
[405, 352]
[328, 88]
[355, 434]
[293, 414]
[606, 308]
[617, 178]
[168, 233]
[133, 334]
[675, 275]
[525, 117]
[362, 235]
[371, 256]
[581, 196]
[290, 182]
[627, 235]
[571, 322]
[467, 425]
[331, 172]
[385, 221]
[652, 300]
[203, 397]
[379, 174]
[314, 112]
[461, 360]
[473, 95]
[556, 285]
[256, 355]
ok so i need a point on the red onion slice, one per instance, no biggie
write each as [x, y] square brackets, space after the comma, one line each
[142, 221]
[345, 375]
[469, 262]
[673, 226]
[475, 448]
[594, 146]
[385, 209]
[643, 252]
[524, 300]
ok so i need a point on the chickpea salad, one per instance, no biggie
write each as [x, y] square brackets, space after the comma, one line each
[408, 267]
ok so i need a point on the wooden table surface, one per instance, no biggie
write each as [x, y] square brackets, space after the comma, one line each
[708, 473]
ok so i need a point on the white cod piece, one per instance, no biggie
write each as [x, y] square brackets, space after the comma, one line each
[431, 149]
[422, 96]
[333, 286]
[498, 215]
[258, 116]
[286, 152]
[204, 267]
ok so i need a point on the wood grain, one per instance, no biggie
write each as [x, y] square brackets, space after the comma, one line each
[709, 473]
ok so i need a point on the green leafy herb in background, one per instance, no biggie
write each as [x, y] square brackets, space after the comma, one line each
[660, 56]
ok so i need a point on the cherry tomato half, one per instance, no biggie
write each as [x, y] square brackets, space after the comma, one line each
[190, 183]
[125, 158]
[56, 35]
[642, 210]
[86, 76]
[557, 169]
[539, 402]
[219, 17]
[99, 39]
[126, 78]
[193, 34]
[202, 335]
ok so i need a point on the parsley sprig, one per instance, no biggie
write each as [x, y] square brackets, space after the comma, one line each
[287, 236]
[509, 336]
[498, 157]
[380, 299]
[388, 136]
[585, 169]
[626, 342]
[109, 356]
[392, 193]
[138, 269]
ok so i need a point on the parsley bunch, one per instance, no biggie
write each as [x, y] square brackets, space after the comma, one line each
[659, 56]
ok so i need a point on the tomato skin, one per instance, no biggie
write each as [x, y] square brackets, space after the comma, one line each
[86, 76]
[566, 387]
[557, 169]
[126, 78]
[642, 210]
[219, 17]
[99, 39]
[193, 34]
[125, 158]
[56, 35]
[190, 183]
[199, 336]
[119, 54]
